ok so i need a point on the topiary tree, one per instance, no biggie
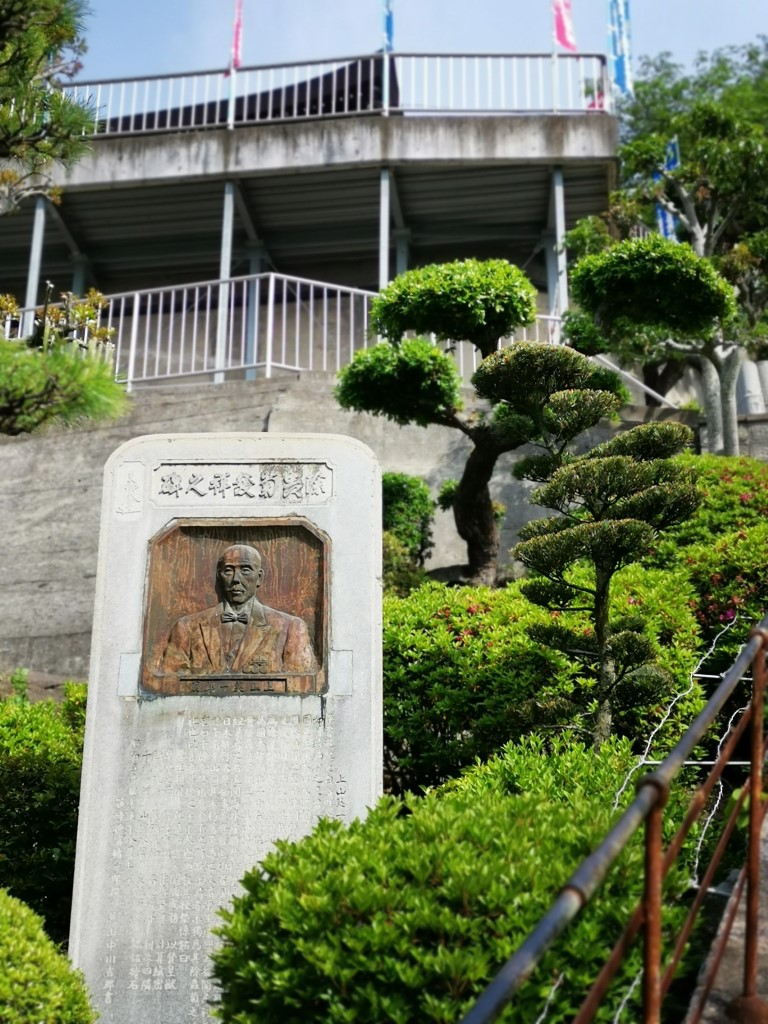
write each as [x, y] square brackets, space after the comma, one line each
[38, 985]
[467, 300]
[656, 284]
[609, 503]
[530, 386]
[41, 748]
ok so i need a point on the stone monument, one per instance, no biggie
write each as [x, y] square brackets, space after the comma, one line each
[234, 697]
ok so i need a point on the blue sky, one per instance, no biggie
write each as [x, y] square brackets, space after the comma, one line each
[128, 38]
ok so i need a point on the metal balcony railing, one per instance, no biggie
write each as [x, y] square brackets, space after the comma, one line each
[246, 327]
[406, 84]
[647, 812]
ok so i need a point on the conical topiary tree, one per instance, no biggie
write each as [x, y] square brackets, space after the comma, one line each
[609, 503]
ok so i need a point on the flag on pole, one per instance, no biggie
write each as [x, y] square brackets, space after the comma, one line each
[237, 36]
[619, 45]
[564, 35]
[389, 27]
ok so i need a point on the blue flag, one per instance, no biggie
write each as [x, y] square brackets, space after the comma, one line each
[667, 223]
[389, 27]
[619, 40]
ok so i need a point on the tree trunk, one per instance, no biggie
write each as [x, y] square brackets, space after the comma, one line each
[661, 377]
[606, 668]
[473, 513]
[732, 358]
[710, 380]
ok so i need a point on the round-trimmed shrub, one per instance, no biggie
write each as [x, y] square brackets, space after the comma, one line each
[408, 510]
[38, 985]
[407, 915]
[41, 747]
[467, 300]
[652, 281]
[400, 573]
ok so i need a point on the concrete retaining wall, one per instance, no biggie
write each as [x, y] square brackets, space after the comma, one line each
[50, 494]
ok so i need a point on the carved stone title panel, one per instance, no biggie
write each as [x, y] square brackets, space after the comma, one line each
[242, 483]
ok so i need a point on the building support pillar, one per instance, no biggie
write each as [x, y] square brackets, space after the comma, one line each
[258, 263]
[402, 250]
[225, 272]
[79, 272]
[35, 264]
[558, 201]
[384, 220]
[549, 245]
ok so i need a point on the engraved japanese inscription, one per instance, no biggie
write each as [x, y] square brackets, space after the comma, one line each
[235, 608]
[243, 483]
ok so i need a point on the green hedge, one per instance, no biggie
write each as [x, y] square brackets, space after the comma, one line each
[462, 677]
[40, 760]
[406, 916]
[408, 510]
[722, 548]
[400, 573]
[734, 497]
[37, 983]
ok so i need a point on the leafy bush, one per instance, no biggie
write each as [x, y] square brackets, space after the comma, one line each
[467, 300]
[408, 512]
[652, 281]
[408, 915]
[734, 497]
[37, 983]
[722, 548]
[40, 759]
[462, 676]
[400, 573]
[730, 583]
[60, 384]
[64, 372]
[413, 382]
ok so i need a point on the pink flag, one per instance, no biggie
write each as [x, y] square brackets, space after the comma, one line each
[564, 35]
[237, 34]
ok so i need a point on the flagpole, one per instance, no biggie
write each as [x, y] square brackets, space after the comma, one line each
[234, 61]
[555, 73]
[386, 51]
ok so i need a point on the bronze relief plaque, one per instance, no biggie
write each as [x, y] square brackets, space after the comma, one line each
[236, 607]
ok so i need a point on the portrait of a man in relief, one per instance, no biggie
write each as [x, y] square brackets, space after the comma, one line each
[239, 645]
[239, 634]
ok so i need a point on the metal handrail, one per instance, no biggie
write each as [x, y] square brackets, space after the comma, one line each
[647, 808]
[177, 333]
[248, 326]
[406, 83]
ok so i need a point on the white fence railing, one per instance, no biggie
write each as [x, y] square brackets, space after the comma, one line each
[247, 328]
[402, 84]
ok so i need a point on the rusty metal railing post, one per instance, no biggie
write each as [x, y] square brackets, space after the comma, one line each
[755, 822]
[750, 1007]
[654, 880]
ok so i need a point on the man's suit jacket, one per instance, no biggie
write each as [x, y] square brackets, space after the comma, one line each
[273, 642]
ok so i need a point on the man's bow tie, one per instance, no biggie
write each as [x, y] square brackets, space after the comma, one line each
[234, 617]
